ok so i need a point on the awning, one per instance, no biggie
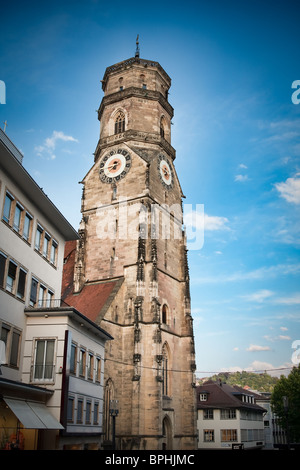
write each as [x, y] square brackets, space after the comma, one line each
[33, 415]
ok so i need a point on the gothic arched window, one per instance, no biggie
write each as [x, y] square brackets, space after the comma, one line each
[162, 127]
[164, 314]
[166, 383]
[120, 123]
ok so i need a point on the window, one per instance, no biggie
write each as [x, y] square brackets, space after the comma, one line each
[96, 413]
[21, 283]
[164, 315]
[228, 435]
[82, 361]
[79, 410]
[144, 86]
[162, 126]
[12, 338]
[98, 369]
[42, 291]
[165, 370]
[53, 252]
[33, 291]
[44, 359]
[47, 239]
[27, 226]
[203, 396]
[11, 276]
[45, 295]
[38, 237]
[49, 298]
[14, 351]
[88, 412]
[3, 259]
[208, 414]
[46, 245]
[70, 410]
[228, 414]
[73, 360]
[17, 217]
[7, 207]
[208, 435]
[90, 366]
[120, 123]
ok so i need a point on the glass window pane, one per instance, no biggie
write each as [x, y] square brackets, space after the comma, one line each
[14, 354]
[2, 268]
[49, 359]
[26, 229]
[21, 284]
[7, 208]
[17, 218]
[33, 291]
[39, 359]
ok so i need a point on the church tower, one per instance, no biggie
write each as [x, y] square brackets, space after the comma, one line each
[131, 271]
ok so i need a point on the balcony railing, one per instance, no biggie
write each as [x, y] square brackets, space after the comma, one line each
[48, 303]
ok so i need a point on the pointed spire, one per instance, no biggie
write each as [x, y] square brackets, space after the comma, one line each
[137, 51]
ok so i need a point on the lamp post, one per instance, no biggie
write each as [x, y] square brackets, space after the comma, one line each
[286, 409]
[114, 411]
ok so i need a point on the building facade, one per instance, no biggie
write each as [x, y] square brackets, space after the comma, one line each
[132, 255]
[46, 401]
[228, 417]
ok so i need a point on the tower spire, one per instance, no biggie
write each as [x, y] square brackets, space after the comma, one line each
[137, 51]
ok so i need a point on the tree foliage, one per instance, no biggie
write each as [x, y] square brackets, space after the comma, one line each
[260, 382]
[289, 418]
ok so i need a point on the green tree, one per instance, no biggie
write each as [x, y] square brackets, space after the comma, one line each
[289, 417]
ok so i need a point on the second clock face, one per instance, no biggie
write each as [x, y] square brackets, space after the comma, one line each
[114, 166]
[165, 172]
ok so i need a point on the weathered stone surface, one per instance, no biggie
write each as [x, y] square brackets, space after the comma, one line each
[148, 365]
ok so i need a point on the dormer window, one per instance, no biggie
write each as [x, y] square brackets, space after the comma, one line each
[203, 396]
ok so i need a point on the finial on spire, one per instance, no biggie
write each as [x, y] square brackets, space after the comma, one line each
[137, 51]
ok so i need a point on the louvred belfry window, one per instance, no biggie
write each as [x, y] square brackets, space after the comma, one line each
[120, 123]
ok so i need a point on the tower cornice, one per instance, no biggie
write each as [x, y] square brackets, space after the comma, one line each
[138, 93]
[134, 61]
[134, 136]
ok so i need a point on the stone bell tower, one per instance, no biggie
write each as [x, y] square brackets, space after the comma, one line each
[131, 272]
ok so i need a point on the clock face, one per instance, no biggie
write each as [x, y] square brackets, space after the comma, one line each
[165, 172]
[114, 166]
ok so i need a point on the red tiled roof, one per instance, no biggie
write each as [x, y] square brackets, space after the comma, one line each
[93, 296]
[223, 396]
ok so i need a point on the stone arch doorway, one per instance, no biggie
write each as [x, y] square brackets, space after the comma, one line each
[167, 441]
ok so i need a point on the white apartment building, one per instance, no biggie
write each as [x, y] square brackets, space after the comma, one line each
[228, 417]
[51, 356]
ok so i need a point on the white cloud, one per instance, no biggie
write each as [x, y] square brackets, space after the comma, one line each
[243, 166]
[283, 328]
[259, 366]
[205, 221]
[290, 189]
[265, 272]
[241, 178]
[278, 338]
[259, 296]
[49, 144]
[292, 300]
[256, 347]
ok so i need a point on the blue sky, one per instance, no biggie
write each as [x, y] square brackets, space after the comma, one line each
[235, 130]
